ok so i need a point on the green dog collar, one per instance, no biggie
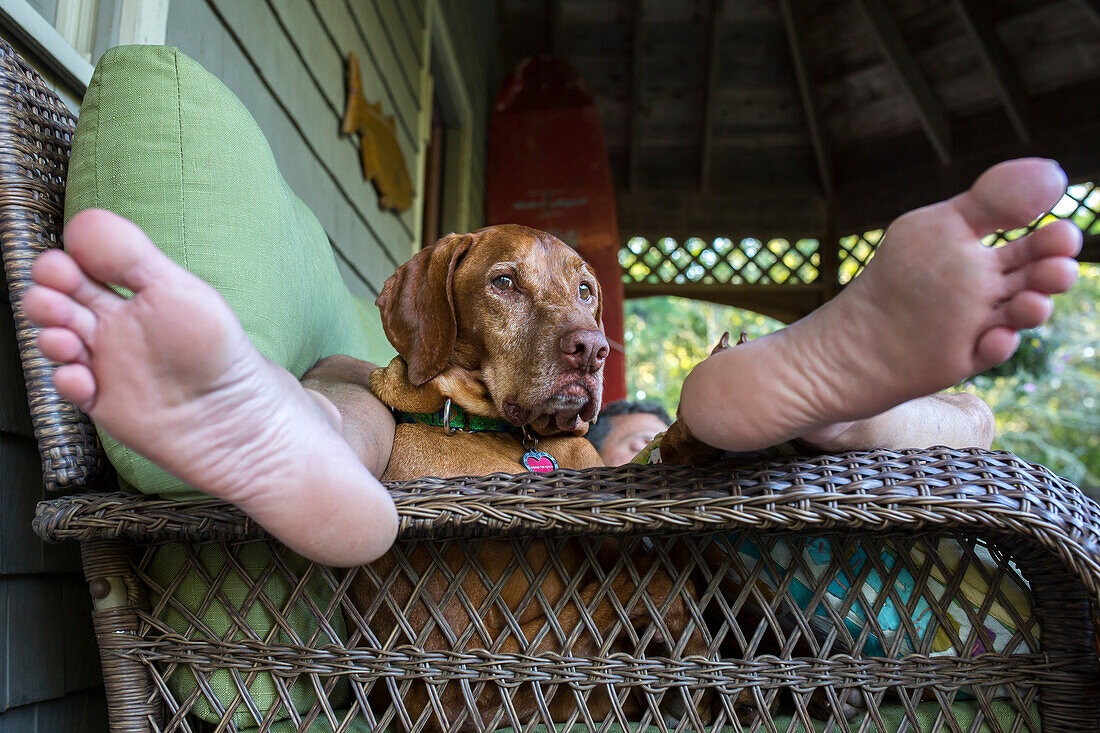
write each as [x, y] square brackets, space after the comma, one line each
[452, 417]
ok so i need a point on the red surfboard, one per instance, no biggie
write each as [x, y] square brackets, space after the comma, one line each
[548, 169]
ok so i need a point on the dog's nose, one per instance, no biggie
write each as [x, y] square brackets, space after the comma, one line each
[585, 349]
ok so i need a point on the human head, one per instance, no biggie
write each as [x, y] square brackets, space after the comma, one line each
[624, 428]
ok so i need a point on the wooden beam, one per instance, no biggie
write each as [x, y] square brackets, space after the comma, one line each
[1092, 9]
[749, 212]
[792, 11]
[635, 107]
[786, 303]
[932, 116]
[550, 23]
[706, 149]
[998, 64]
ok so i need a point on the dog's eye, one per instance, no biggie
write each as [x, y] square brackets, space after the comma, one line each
[503, 282]
[585, 292]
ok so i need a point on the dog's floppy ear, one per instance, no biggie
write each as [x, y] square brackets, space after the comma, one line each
[417, 305]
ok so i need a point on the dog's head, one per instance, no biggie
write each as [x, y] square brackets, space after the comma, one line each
[507, 317]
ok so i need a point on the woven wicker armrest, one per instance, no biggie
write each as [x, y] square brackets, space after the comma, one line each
[975, 491]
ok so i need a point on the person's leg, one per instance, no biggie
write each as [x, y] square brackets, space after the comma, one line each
[342, 382]
[955, 420]
[171, 374]
[932, 308]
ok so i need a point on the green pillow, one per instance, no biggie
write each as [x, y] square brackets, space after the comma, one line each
[164, 143]
[178, 567]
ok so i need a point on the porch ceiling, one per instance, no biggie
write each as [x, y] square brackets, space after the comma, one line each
[818, 117]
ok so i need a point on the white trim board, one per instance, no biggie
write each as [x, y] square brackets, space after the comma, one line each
[41, 38]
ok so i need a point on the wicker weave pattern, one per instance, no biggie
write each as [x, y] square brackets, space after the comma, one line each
[35, 133]
[754, 660]
[760, 652]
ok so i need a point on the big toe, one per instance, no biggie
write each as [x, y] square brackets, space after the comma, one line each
[114, 250]
[1012, 194]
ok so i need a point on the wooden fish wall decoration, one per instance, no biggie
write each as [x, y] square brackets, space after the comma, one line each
[383, 162]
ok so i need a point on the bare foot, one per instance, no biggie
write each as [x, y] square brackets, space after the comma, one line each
[171, 374]
[933, 308]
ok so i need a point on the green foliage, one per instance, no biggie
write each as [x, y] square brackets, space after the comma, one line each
[667, 336]
[1048, 411]
[1046, 399]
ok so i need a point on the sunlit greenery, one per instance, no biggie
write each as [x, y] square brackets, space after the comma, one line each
[1046, 399]
[665, 337]
[1048, 408]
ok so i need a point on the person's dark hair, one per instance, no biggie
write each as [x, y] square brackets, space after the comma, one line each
[598, 433]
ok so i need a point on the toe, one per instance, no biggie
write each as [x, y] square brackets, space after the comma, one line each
[57, 270]
[76, 383]
[1048, 276]
[50, 308]
[1011, 194]
[1058, 239]
[994, 346]
[62, 345]
[114, 250]
[1025, 309]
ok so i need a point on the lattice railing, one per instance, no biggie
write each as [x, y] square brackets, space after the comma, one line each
[856, 250]
[723, 261]
[1081, 205]
[780, 260]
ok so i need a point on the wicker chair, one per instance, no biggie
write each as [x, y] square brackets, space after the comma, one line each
[776, 655]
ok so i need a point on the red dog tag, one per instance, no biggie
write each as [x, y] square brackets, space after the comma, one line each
[539, 461]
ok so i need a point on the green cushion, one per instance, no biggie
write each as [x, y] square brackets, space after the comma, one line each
[186, 571]
[165, 144]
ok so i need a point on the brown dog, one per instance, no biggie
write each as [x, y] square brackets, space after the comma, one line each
[505, 324]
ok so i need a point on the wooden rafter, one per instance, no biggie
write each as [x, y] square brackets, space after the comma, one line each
[932, 115]
[792, 21]
[550, 24]
[979, 22]
[1092, 7]
[633, 152]
[710, 92]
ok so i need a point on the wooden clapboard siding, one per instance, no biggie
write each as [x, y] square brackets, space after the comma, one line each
[49, 666]
[412, 16]
[304, 26]
[83, 711]
[285, 60]
[397, 41]
[255, 59]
